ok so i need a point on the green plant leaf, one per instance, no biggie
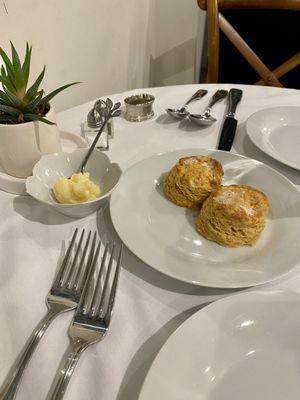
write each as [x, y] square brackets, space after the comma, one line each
[6, 81]
[35, 117]
[26, 64]
[6, 84]
[9, 110]
[32, 105]
[8, 119]
[18, 73]
[13, 78]
[4, 99]
[6, 61]
[50, 96]
[13, 100]
[32, 91]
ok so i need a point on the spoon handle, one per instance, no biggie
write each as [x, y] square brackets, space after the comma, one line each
[196, 96]
[219, 95]
[93, 145]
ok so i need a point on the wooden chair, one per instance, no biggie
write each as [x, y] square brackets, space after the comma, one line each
[217, 21]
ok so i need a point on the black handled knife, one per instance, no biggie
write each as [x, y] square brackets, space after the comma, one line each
[230, 123]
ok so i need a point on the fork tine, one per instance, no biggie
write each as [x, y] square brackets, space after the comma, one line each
[93, 307]
[103, 294]
[111, 300]
[74, 262]
[64, 263]
[82, 305]
[79, 280]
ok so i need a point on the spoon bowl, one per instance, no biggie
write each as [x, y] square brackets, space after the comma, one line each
[178, 113]
[202, 120]
[206, 119]
[182, 112]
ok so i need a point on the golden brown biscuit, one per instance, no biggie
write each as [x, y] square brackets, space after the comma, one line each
[192, 179]
[174, 194]
[233, 215]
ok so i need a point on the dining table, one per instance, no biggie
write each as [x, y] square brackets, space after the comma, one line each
[149, 306]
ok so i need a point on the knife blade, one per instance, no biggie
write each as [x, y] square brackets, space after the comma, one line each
[230, 123]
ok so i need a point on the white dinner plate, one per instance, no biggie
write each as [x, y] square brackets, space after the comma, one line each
[276, 131]
[163, 235]
[243, 347]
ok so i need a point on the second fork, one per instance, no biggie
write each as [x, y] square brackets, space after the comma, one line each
[92, 318]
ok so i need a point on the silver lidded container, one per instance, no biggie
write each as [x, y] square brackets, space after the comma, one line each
[139, 107]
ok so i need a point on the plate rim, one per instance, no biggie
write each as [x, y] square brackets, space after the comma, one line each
[182, 279]
[198, 315]
[250, 135]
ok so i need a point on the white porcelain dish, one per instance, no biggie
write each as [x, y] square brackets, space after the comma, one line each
[276, 131]
[163, 235]
[244, 346]
[69, 142]
[51, 167]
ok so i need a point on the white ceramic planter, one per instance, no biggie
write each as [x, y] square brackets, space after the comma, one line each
[22, 145]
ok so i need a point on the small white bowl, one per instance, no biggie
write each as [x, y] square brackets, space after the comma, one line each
[51, 167]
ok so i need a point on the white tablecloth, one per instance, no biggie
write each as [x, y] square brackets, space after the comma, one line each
[149, 306]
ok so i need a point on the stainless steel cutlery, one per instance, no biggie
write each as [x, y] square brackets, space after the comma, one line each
[230, 123]
[206, 119]
[92, 317]
[63, 296]
[182, 112]
[73, 289]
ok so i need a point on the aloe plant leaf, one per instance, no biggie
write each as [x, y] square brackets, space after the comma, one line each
[17, 66]
[15, 57]
[36, 117]
[14, 100]
[10, 110]
[6, 84]
[4, 99]
[32, 91]
[33, 104]
[5, 77]
[50, 96]
[6, 61]
[26, 64]
[8, 119]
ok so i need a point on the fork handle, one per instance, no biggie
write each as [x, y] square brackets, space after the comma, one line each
[66, 369]
[10, 386]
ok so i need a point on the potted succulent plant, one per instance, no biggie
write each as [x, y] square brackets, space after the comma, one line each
[27, 120]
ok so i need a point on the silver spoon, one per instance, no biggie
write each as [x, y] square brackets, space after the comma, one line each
[182, 112]
[206, 118]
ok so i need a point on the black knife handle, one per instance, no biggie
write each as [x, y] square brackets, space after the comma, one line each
[234, 97]
[227, 134]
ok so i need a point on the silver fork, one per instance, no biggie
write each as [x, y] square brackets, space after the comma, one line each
[92, 318]
[64, 296]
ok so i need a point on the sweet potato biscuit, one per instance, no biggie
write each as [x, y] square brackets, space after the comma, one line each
[174, 194]
[233, 215]
[192, 179]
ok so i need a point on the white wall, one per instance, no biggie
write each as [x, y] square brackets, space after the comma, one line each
[109, 45]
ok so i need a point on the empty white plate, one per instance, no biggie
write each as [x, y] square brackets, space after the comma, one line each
[276, 131]
[244, 346]
[163, 235]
